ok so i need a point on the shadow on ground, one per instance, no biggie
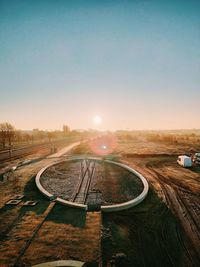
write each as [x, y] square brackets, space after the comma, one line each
[63, 214]
[31, 192]
[147, 235]
[59, 214]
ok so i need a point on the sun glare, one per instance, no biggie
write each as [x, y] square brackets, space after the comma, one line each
[97, 120]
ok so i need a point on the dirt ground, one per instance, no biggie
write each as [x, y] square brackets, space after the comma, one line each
[162, 231]
[141, 145]
[28, 235]
[180, 189]
[170, 219]
[116, 184]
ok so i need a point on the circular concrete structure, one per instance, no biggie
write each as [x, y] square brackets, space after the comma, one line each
[106, 208]
[61, 263]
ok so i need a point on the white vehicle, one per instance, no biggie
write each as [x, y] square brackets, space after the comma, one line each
[184, 161]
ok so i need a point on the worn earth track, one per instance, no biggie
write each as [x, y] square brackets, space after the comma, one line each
[34, 233]
[176, 202]
[182, 202]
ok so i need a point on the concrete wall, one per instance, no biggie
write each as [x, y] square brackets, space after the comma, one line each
[133, 202]
[61, 263]
[50, 196]
[108, 208]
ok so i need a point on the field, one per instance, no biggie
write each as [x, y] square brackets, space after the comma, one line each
[162, 231]
[41, 229]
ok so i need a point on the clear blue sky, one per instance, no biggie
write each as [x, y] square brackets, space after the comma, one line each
[135, 63]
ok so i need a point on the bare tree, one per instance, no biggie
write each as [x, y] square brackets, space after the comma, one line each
[51, 136]
[10, 133]
[27, 138]
[18, 136]
[66, 129]
[7, 133]
[3, 134]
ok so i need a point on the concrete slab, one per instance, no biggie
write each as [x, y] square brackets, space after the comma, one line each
[30, 203]
[13, 202]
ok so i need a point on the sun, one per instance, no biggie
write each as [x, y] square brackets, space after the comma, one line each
[97, 119]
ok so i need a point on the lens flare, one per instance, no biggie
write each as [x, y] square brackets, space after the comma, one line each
[103, 145]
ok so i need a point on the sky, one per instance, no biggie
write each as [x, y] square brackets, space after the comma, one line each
[136, 64]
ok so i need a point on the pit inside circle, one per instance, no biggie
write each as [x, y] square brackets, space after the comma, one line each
[92, 183]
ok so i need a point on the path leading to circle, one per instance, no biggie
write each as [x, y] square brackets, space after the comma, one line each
[64, 150]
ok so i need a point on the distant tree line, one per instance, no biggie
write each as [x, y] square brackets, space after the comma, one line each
[173, 138]
[10, 136]
[167, 137]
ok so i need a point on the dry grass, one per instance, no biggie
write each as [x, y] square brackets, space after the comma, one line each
[64, 241]
[68, 234]
[10, 248]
